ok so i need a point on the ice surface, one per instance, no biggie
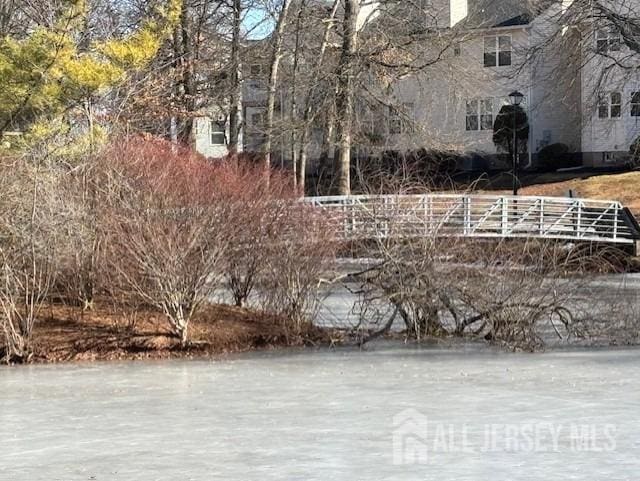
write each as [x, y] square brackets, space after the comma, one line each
[326, 415]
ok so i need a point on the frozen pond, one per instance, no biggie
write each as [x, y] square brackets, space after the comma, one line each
[389, 413]
[340, 305]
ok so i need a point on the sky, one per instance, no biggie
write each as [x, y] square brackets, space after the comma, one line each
[258, 23]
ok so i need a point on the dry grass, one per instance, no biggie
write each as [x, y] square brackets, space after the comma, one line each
[623, 187]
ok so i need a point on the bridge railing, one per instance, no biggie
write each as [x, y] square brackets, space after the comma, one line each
[483, 216]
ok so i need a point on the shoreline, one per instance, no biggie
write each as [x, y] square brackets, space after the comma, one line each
[69, 335]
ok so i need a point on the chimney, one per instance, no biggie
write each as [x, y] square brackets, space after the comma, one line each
[459, 10]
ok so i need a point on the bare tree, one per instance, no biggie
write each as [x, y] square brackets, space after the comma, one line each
[311, 94]
[344, 92]
[235, 99]
[276, 56]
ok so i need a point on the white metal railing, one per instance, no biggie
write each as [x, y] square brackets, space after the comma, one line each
[483, 216]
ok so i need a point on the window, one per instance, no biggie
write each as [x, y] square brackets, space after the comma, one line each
[610, 106]
[472, 115]
[607, 40]
[256, 70]
[366, 120]
[635, 104]
[504, 50]
[486, 114]
[399, 118]
[217, 132]
[479, 114]
[257, 120]
[616, 105]
[497, 51]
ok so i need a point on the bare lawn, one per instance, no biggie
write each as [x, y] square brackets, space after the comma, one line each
[70, 334]
[623, 187]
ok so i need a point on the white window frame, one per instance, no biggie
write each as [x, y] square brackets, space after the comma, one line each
[608, 40]
[634, 111]
[610, 106]
[486, 114]
[366, 121]
[482, 110]
[495, 49]
[216, 129]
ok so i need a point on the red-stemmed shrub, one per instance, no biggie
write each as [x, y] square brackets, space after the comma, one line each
[181, 227]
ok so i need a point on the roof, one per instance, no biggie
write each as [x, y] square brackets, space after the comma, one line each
[503, 13]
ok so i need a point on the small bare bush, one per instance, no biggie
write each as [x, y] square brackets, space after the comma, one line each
[170, 223]
[80, 271]
[31, 219]
[261, 226]
[298, 258]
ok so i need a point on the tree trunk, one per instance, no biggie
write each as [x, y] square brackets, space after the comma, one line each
[276, 55]
[187, 75]
[344, 99]
[306, 121]
[235, 109]
[293, 112]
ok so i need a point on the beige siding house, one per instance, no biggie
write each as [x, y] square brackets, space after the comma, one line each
[610, 91]
[503, 46]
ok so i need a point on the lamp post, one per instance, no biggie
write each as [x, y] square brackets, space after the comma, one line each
[515, 98]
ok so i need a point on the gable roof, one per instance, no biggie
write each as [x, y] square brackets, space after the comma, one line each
[503, 13]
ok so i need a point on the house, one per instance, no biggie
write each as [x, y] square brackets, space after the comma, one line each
[500, 46]
[486, 49]
[212, 129]
[610, 86]
[580, 81]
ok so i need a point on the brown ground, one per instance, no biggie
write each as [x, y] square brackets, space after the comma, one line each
[68, 334]
[623, 187]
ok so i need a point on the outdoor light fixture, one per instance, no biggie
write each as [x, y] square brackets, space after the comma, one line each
[516, 99]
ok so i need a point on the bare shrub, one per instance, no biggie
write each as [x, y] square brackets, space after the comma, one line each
[441, 284]
[179, 228]
[30, 224]
[170, 222]
[260, 226]
[80, 269]
[298, 258]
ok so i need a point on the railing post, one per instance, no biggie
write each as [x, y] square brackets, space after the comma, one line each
[541, 220]
[353, 219]
[425, 211]
[466, 209]
[579, 221]
[347, 220]
[505, 216]
[615, 221]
